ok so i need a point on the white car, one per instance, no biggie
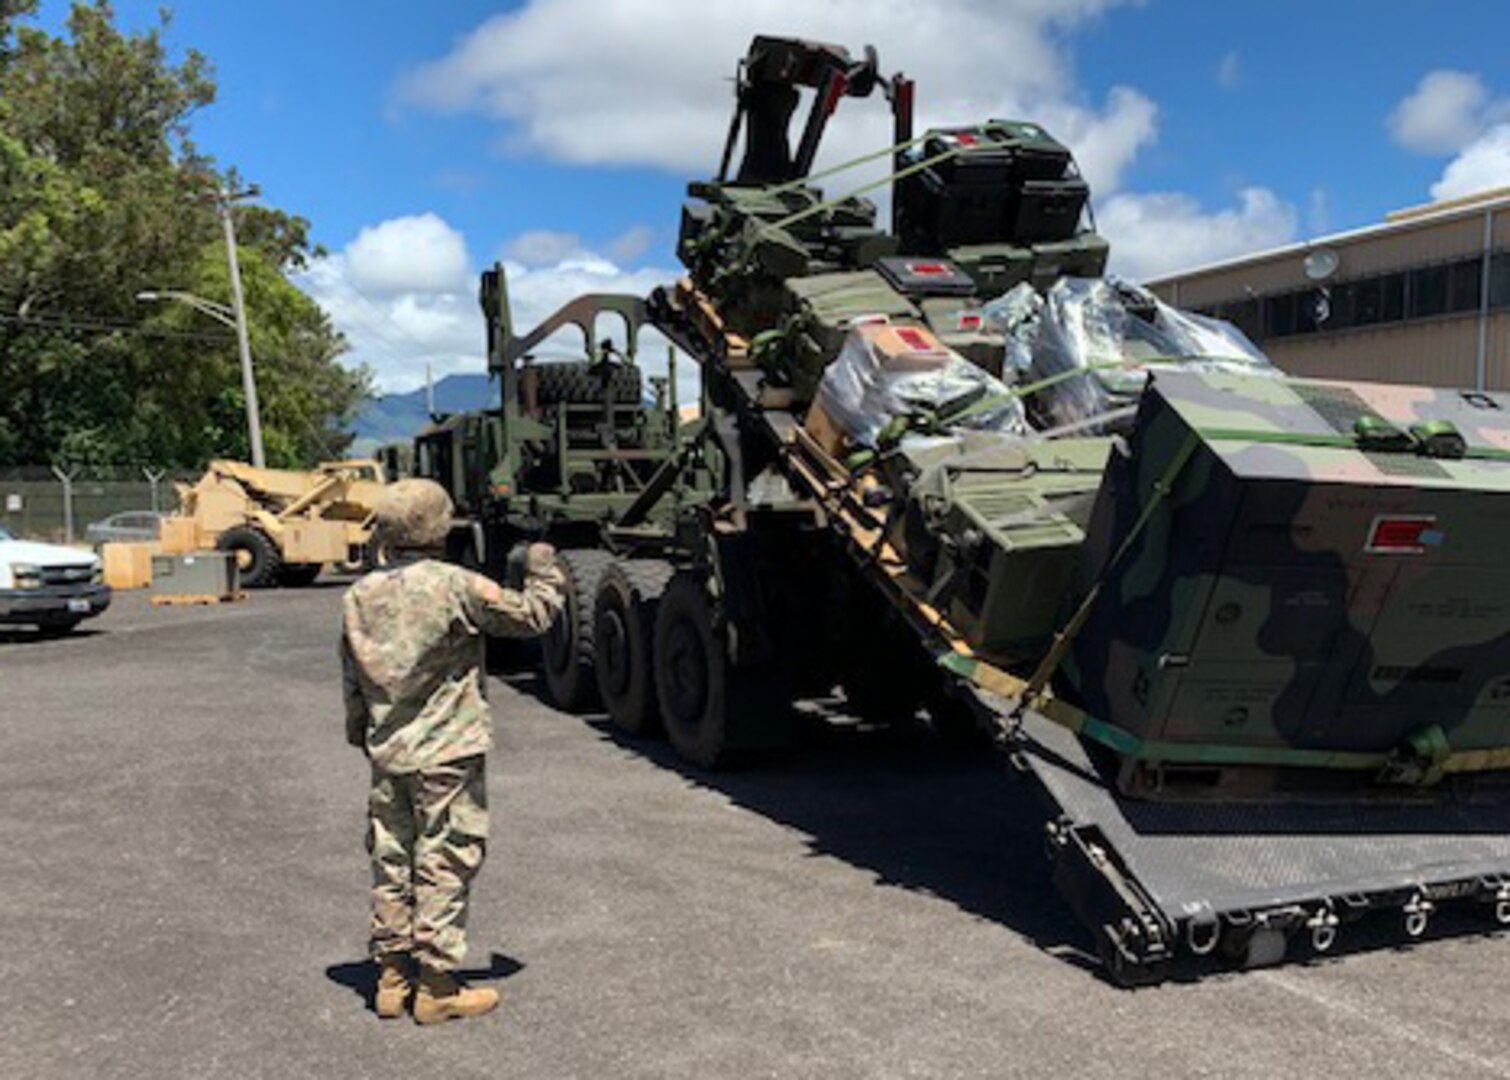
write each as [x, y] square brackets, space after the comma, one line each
[52, 588]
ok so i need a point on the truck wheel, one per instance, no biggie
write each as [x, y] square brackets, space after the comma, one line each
[568, 645]
[301, 576]
[623, 633]
[257, 557]
[691, 672]
[375, 556]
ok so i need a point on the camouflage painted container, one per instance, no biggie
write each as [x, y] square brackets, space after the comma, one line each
[1015, 516]
[1327, 571]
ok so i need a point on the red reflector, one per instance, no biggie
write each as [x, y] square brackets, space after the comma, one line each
[1402, 535]
[930, 269]
[915, 339]
[970, 322]
[964, 138]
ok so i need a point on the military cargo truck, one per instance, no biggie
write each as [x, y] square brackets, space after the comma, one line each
[569, 445]
[1248, 636]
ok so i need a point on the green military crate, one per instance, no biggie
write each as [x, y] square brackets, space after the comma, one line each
[205, 576]
[1014, 514]
[1326, 572]
[820, 309]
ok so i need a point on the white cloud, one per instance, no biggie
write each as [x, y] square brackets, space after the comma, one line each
[1229, 72]
[584, 82]
[1483, 164]
[631, 243]
[1446, 111]
[397, 325]
[1453, 112]
[1163, 232]
[542, 247]
[420, 253]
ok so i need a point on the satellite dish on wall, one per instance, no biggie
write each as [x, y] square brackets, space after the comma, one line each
[1321, 264]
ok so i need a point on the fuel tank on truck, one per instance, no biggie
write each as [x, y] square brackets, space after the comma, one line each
[1298, 572]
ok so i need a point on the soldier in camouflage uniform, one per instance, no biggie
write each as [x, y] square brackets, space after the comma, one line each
[412, 657]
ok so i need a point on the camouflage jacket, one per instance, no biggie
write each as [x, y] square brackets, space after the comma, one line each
[412, 658]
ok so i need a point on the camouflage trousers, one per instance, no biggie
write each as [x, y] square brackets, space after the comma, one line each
[427, 833]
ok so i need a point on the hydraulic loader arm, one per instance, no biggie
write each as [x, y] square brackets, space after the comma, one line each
[505, 348]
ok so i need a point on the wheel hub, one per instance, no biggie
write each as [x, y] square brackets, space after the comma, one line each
[613, 651]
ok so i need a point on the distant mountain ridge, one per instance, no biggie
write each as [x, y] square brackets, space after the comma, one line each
[399, 417]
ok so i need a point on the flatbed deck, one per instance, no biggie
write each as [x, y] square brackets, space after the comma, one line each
[1158, 881]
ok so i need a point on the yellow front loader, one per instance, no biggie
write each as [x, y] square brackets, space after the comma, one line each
[282, 525]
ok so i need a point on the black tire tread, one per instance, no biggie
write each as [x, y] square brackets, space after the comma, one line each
[643, 581]
[267, 558]
[577, 691]
[577, 383]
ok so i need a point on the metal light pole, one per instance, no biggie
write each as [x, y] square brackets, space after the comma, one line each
[223, 201]
[233, 316]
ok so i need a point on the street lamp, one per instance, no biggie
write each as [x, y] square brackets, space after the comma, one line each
[233, 316]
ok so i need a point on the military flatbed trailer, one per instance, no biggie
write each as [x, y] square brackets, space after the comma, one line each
[1161, 886]
[1241, 736]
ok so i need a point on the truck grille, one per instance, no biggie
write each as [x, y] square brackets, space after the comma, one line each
[67, 575]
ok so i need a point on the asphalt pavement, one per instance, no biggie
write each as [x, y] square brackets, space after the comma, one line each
[185, 896]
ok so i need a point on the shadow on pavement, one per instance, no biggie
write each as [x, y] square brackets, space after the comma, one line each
[29, 636]
[901, 804]
[360, 976]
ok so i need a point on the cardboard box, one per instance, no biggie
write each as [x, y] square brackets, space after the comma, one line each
[180, 536]
[825, 432]
[128, 566]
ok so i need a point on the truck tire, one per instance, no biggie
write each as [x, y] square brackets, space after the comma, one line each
[712, 710]
[568, 646]
[691, 672]
[258, 558]
[579, 383]
[300, 576]
[623, 634]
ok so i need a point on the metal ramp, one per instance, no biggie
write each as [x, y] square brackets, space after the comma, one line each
[1156, 881]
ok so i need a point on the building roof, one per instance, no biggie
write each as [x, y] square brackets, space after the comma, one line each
[1414, 217]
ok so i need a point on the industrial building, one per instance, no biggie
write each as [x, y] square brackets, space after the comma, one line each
[1423, 297]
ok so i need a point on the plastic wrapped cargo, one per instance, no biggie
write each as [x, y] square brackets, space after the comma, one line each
[1092, 342]
[884, 371]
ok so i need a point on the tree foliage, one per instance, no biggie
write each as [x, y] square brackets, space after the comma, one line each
[103, 197]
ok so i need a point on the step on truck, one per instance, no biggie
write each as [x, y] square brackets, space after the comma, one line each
[1248, 636]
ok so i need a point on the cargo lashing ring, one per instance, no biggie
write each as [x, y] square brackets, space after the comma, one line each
[1323, 927]
[1502, 905]
[1203, 935]
[1417, 912]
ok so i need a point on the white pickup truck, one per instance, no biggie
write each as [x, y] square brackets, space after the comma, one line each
[52, 588]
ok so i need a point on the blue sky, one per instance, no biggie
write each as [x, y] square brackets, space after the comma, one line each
[561, 132]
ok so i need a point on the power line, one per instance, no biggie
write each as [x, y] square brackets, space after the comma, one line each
[64, 323]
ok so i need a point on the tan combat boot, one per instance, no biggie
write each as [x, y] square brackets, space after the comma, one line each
[393, 986]
[441, 997]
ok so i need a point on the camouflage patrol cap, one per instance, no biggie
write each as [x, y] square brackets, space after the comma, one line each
[414, 514]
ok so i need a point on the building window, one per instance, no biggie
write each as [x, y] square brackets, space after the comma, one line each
[1427, 294]
[1392, 297]
[1421, 292]
[1465, 291]
[1279, 315]
[1499, 280]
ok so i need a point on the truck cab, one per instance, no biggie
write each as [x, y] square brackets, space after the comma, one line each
[50, 587]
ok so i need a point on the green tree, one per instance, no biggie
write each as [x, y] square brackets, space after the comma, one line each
[102, 197]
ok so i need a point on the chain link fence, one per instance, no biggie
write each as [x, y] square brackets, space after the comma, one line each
[59, 503]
